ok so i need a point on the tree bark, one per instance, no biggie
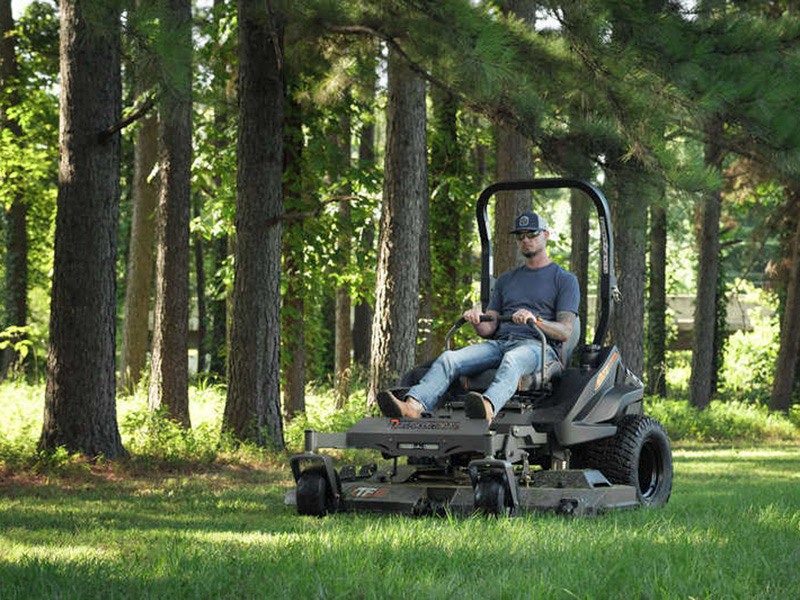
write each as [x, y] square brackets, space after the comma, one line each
[80, 404]
[169, 373]
[629, 208]
[16, 215]
[708, 215]
[514, 160]
[786, 362]
[200, 289]
[343, 327]
[449, 215]
[394, 328]
[139, 280]
[657, 302]
[363, 313]
[252, 409]
[579, 253]
[294, 247]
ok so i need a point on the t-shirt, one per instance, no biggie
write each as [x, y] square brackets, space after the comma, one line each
[545, 292]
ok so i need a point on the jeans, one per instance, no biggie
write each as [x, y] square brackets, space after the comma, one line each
[513, 359]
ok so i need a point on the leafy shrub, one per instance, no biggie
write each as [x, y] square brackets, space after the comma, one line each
[722, 421]
[749, 365]
[153, 436]
[321, 414]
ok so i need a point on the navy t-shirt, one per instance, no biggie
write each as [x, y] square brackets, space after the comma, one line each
[545, 292]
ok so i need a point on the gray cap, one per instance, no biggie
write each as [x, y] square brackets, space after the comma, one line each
[529, 221]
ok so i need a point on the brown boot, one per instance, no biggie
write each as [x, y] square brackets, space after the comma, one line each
[395, 408]
[478, 407]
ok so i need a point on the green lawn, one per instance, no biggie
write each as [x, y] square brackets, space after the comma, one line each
[731, 530]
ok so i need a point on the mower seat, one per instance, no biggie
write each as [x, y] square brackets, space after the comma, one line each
[532, 381]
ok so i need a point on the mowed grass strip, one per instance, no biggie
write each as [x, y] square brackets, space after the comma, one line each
[731, 530]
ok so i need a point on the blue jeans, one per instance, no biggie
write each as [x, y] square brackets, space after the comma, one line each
[512, 358]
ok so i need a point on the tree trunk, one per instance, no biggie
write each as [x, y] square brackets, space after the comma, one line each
[252, 409]
[708, 215]
[405, 190]
[218, 313]
[579, 253]
[169, 373]
[200, 289]
[514, 160]
[16, 215]
[363, 314]
[786, 363]
[80, 404]
[449, 215]
[657, 302]
[630, 227]
[139, 280]
[294, 246]
[343, 327]
[218, 305]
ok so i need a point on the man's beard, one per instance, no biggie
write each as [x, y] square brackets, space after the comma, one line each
[530, 253]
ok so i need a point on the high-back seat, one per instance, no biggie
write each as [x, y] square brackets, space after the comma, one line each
[532, 381]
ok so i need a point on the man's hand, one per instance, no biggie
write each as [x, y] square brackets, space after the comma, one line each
[484, 329]
[473, 315]
[522, 315]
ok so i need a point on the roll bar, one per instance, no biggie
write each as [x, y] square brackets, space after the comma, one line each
[608, 279]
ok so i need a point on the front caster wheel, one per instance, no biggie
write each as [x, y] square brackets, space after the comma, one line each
[490, 495]
[314, 496]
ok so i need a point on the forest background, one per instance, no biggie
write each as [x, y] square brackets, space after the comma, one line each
[297, 181]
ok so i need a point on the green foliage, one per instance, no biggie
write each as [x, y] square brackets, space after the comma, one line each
[153, 436]
[750, 356]
[321, 414]
[721, 422]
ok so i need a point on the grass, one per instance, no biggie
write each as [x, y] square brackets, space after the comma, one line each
[731, 530]
[188, 517]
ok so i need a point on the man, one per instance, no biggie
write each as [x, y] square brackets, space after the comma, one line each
[540, 290]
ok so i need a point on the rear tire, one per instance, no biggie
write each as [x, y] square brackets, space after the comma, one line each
[639, 454]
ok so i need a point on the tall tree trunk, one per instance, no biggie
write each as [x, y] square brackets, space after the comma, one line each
[200, 289]
[343, 327]
[405, 191]
[514, 160]
[630, 226]
[252, 409]
[218, 313]
[169, 373]
[80, 404]
[294, 246]
[579, 253]
[786, 363]
[139, 279]
[218, 305]
[16, 215]
[708, 215]
[448, 219]
[657, 301]
[362, 313]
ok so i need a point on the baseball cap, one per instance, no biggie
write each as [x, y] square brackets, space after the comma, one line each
[529, 221]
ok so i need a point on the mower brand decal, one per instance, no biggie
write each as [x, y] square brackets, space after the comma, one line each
[369, 492]
[423, 424]
[601, 376]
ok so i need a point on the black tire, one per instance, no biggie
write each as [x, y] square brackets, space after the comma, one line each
[490, 495]
[314, 497]
[639, 454]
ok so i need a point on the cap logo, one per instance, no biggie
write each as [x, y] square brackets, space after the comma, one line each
[524, 220]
